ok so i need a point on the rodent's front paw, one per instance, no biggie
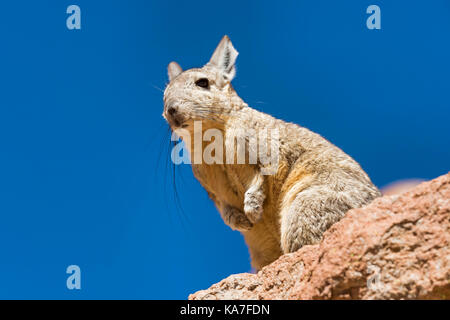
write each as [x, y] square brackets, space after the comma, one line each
[253, 204]
[236, 219]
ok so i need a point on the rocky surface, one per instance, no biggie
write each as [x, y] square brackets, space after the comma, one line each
[397, 247]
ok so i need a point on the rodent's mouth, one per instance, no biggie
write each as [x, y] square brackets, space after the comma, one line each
[174, 118]
[176, 123]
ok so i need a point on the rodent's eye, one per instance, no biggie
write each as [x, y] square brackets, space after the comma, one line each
[203, 82]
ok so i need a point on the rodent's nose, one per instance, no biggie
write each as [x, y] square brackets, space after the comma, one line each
[173, 116]
[171, 111]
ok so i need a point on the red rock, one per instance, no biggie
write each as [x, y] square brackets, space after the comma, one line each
[397, 247]
[400, 186]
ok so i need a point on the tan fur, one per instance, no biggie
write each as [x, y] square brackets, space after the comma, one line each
[315, 182]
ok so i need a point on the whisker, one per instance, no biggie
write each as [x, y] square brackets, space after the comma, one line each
[184, 217]
[168, 133]
[157, 88]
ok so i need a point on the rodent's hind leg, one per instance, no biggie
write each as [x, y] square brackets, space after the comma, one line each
[235, 218]
[309, 215]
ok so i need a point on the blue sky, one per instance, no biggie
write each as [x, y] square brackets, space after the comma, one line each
[81, 130]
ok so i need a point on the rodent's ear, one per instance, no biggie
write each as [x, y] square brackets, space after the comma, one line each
[224, 58]
[173, 70]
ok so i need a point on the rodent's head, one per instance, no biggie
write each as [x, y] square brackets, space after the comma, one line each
[201, 93]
